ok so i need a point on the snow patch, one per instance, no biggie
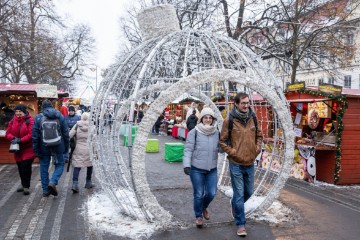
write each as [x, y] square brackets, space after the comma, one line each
[276, 213]
[103, 216]
[324, 184]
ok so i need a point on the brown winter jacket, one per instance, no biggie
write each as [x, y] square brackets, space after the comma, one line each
[245, 141]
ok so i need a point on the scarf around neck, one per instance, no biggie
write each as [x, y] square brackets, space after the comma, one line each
[206, 129]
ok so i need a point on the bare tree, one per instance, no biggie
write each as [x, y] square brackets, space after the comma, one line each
[34, 48]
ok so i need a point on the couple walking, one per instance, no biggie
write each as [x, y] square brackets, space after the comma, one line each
[241, 140]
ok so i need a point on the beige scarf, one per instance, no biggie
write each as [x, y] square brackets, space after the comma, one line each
[206, 129]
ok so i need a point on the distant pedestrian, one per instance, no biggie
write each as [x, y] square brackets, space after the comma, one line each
[241, 140]
[156, 127]
[81, 155]
[64, 110]
[200, 162]
[191, 121]
[50, 140]
[19, 132]
[71, 120]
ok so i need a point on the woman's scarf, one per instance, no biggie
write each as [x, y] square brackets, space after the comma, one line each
[206, 129]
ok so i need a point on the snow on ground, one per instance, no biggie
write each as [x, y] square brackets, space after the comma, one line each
[324, 184]
[276, 213]
[103, 217]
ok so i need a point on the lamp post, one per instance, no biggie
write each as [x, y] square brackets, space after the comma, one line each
[95, 69]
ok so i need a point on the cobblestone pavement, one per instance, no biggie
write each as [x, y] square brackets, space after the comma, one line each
[319, 212]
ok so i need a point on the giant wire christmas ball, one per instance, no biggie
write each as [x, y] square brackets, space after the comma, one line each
[162, 68]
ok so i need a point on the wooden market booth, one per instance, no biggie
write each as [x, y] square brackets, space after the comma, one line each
[30, 95]
[327, 118]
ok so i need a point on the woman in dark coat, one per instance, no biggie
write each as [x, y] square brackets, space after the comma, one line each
[19, 131]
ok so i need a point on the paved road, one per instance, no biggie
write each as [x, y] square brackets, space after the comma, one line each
[320, 212]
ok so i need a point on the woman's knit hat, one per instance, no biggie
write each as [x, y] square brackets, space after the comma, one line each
[21, 107]
[207, 111]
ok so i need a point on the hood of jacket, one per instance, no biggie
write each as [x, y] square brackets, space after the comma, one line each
[83, 125]
[51, 113]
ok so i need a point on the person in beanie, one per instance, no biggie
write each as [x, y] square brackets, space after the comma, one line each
[200, 162]
[81, 155]
[45, 153]
[19, 131]
[242, 146]
[71, 120]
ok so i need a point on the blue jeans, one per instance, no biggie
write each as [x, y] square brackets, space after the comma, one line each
[242, 181]
[205, 186]
[44, 170]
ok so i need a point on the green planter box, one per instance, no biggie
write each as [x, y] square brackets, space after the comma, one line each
[126, 140]
[152, 145]
[134, 129]
[174, 152]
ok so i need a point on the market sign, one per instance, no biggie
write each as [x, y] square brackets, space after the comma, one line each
[322, 109]
[296, 86]
[46, 91]
[329, 88]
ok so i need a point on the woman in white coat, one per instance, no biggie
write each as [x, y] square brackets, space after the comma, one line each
[81, 155]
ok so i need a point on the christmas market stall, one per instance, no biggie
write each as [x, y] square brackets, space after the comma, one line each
[179, 110]
[30, 95]
[327, 133]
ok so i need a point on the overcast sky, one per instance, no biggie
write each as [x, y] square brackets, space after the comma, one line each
[103, 18]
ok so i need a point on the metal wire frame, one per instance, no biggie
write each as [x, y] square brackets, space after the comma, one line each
[144, 75]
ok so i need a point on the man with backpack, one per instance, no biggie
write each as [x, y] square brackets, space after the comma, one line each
[241, 139]
[50, 137]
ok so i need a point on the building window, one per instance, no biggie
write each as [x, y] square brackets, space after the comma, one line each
[347, 81]
[331, 80]
[321, 81]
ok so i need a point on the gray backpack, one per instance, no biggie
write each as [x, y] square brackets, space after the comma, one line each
[50, 131]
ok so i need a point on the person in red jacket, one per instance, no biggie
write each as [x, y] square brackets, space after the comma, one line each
[19, 131]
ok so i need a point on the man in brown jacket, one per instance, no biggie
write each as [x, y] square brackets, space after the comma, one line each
[241, 139]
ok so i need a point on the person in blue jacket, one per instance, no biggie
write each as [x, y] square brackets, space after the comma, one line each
[45, 153]
[200, 162]
[71, 120]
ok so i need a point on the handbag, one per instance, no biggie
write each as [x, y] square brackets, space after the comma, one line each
[14, 148]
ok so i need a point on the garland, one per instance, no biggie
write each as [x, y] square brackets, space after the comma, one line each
[343, 104]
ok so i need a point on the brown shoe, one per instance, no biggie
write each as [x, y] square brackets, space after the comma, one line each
[206, 214]
[199, 222]
[241, 231]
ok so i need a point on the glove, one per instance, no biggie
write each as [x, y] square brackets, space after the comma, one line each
[187, 171]
[15, 140]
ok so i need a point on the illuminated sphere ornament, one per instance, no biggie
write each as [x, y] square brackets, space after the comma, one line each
[169, 63]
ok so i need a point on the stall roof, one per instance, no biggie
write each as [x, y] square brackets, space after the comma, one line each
[14, 87]
[345, 91]
[185, 96]
[23, 87]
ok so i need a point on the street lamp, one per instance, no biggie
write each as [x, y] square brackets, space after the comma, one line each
[95, 69]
